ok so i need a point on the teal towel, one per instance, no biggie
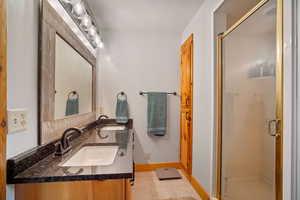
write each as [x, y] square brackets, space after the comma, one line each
[72, 107]
[157, 113]
[122, 114]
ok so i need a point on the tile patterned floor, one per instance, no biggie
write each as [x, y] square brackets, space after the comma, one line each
[148, 187]
[259, 190]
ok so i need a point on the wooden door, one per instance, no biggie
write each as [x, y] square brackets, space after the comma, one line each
[3, 129]
[186, 105]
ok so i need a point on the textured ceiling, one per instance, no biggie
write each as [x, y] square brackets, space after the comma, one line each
[144, 15]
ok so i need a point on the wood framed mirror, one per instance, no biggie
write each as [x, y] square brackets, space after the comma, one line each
[67, 77]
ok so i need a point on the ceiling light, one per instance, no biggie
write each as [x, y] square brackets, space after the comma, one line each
[86, 22]
[92, 31]
[79, 10]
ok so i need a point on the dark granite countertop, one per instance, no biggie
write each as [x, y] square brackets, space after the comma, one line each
[49, 169]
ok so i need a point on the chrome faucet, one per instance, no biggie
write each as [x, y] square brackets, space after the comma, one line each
[63, 146]
[102, 117]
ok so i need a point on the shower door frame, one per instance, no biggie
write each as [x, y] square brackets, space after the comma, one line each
[279, 98]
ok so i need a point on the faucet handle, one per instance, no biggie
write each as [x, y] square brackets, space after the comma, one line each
[58, 148]
[102, 117]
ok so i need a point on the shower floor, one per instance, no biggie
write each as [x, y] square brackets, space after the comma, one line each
[257, 189]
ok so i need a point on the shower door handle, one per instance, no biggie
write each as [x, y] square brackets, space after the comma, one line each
[275, 131]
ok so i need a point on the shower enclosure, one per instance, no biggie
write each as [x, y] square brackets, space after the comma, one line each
[250, 106]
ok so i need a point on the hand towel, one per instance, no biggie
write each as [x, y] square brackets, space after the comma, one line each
[122, 114]
[157, 113]
[72, 106]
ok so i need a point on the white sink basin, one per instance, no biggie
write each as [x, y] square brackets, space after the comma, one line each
[113, 128]
[93, 156]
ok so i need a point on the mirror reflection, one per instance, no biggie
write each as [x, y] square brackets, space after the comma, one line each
[73, 81]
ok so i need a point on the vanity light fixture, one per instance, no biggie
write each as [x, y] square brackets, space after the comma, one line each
[86, 22]
[98, 42]
[101, 45]
[82, 16]
[78, 10]
[92, 32]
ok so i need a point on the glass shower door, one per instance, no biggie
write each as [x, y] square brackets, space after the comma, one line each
[248, 161]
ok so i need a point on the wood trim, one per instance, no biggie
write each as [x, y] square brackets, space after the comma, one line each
[197, 186]
[152, 167]
[192, 107]
[189, 41]
[279, 100]
[219, 118]
[199, 189]
[3, 97]
[52, 24]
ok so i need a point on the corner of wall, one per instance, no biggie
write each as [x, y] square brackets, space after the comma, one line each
[203, 148]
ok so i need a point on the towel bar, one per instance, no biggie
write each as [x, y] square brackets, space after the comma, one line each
[169, 93]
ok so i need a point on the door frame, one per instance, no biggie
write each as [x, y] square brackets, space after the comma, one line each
[279, 97]
[190, 39]
[3, 97]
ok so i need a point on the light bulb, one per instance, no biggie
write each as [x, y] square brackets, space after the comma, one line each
[97, 39]
[92, 31]
[78, 10]
[101, 45]
[86, 22]
[73, 2]
[98, 42]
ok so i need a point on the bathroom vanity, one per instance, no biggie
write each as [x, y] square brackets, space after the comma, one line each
[98, 163]
[99, 166]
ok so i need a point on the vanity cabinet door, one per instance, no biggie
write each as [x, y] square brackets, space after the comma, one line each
[77, 190]
[109, 190]
[128, 190]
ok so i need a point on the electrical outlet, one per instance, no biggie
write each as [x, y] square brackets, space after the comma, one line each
[17, 120]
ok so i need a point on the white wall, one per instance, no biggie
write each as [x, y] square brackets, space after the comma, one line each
[143, 61]
[22, 72]
[203, 126]
[288, 99]
[22, 34]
